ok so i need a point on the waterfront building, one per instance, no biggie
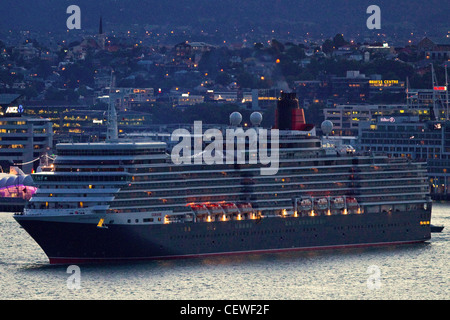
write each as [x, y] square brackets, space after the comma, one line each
[346, 119]
[432, 103]
[82, 123]
[406, 136]
[23, 140]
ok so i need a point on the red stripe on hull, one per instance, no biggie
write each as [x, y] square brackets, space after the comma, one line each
[54, 260]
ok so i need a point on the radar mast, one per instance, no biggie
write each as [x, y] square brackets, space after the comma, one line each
[112, 134]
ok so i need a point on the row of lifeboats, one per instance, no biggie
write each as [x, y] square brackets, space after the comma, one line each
[327, 203]
[221, 208]
[224, 211]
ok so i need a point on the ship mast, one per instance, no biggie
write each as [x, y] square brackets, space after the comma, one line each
[407, 93]
[446, 90]
[112, 134]
[434, 83]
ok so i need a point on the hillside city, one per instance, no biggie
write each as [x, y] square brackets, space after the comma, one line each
[162, 81]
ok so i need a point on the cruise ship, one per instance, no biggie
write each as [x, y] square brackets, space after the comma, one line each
[127, 200]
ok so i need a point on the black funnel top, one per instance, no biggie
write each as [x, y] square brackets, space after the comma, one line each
[287, 102]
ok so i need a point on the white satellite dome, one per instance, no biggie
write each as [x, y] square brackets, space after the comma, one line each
[235, 118]
[327, 127]
[256, 118]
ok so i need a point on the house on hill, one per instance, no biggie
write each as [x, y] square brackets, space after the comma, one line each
[435, 49]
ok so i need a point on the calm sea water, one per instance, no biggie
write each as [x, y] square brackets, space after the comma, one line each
[405, 272]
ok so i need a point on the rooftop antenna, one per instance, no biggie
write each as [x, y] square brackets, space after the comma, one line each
[112, 131]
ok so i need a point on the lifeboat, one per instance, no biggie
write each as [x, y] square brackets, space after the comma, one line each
[322, 204]
[214, 208]
[352, 202]
[245, 207]
[305, 205]
[338, 203]
[199, 208]
[230, 208]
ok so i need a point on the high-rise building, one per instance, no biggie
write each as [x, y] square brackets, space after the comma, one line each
[23, 140]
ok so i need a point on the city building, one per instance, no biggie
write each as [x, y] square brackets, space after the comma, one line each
[256, 99]
[262, 99]
[127, 98]
[186, 99]
[435, 49]
[346, 119]
[407, 136]
[378, 86]
[431, 102]
[312, 91]
[82, 123]
[226, 96]
[382, 48]
[23, 140]
[26, 51]
[353, 88]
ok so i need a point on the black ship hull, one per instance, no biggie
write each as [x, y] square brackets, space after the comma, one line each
[80, 242]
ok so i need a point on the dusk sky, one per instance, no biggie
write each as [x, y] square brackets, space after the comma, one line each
[325, 16]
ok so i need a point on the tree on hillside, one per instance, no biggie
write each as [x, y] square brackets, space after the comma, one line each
[339, 41]
[327, 46]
